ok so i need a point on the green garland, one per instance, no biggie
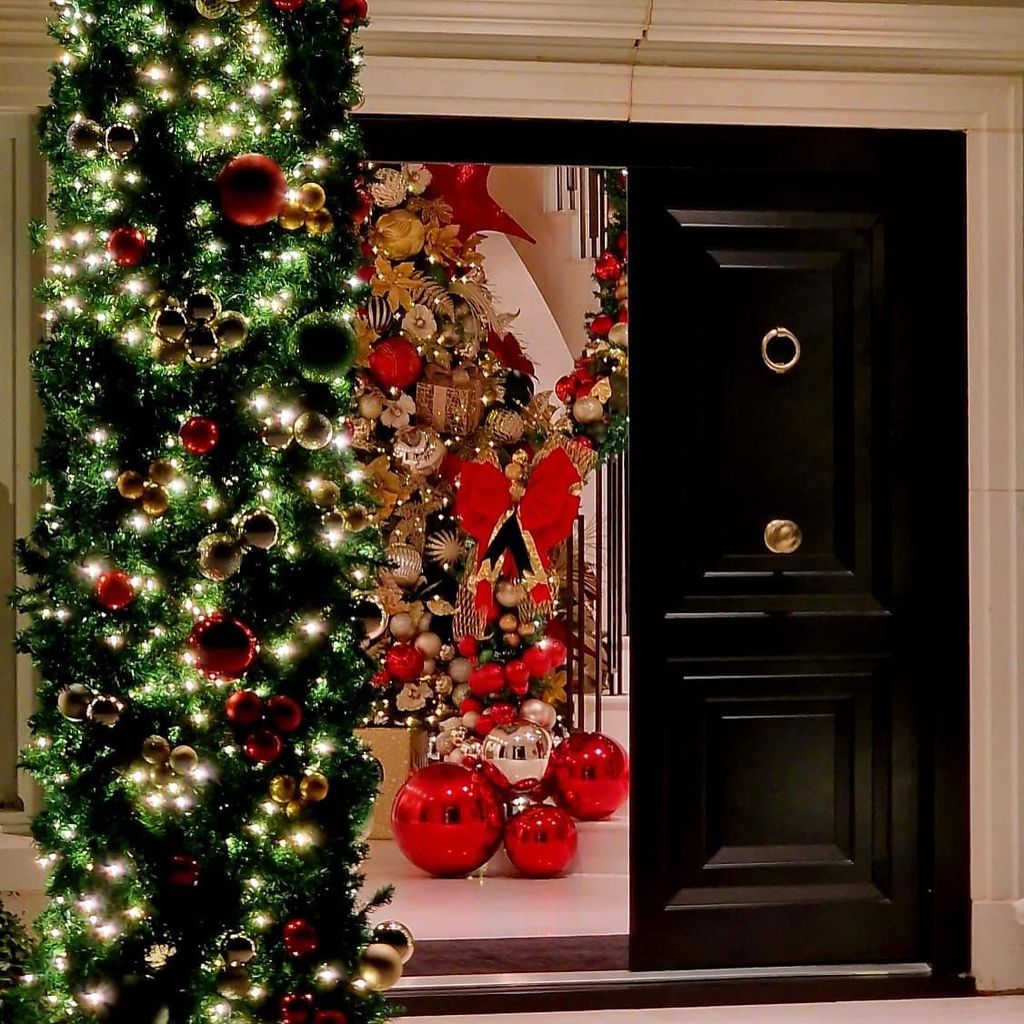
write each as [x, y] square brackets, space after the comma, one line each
[163, 874]
[14, 954]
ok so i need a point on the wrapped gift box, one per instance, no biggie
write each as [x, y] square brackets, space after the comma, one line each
[450, 401]
[400, 752]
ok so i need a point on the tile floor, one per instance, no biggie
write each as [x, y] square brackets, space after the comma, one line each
[990, 1010]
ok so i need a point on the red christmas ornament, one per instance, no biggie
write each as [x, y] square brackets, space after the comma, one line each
[464, 188]
[183, 870]
[285, 713]
[126, 246]
[447, 820]
[297, 1008]
[517, 672]
[624, 315]
[288, 5]
[622, 243]
[380, 678]
[395, 363]
[300, 938]
[565, 387]
[608, 267]
[263, 746]
[252, 189]
[366, 274]
[451, 467]
[558, 653]
[502, 713]
[484, 724]
[468, 646]
[541, 841]
[114, 590]
[404, 662]
[590, 775]
[470, 704]
[584, 442]
[199, 435]
[331, 1017]
[352, 11]
[486, 679]
[538, 661]
[222, 646]
[244, 708]
[601, 325]
[362, 209]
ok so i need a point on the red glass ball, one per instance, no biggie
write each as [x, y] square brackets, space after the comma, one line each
[263, 746]
[223, 647]
[297, 1008]
[468, 646]
[608, 267]
[623, 316]
[114, 590]
[199, 435]
[285, 713]
[557, 652]
[447, 820]
[622, 243]
[601, 325]
[395, 363]
[288, 5]
[126, 246]
[502, 713]
[252, 189]
[541, 841]
[517, 672]
[486, 679]
[538, 661]
[590, 775]
[380, 678]
[484, 724]
[365, 274]
[470, 704]
[300, 938]
[352, 11]
[404, 662]
[362, 209]
[584, 442]
[565, 387]
[331, 1017]
[451, 467]
[244, 708]
[183, 870]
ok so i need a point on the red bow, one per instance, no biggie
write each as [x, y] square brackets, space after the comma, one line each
[517, 539]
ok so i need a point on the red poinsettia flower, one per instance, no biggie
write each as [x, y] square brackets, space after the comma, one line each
[510, 353]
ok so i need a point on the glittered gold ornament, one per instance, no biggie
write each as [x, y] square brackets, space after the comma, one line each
[357, 518]
[325, 493]
[154, 500]
[85, 138]
[407, 564]
[505, 425]
[170, 324]
[131, 485]
[231, 329]
[399, 234]
[105, 711]
[278, 435]
[508, 622]
[162, 471]
[292, 216]
[320, 223]
[380, 967]
[283, 789]
[312, 197]
[119, 140]
[220, 556]
[313, 430]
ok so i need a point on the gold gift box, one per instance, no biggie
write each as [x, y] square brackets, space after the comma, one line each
[448, 407]
[400, 751]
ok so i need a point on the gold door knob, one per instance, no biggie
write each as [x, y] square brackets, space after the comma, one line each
[791, 344]
[782, 536]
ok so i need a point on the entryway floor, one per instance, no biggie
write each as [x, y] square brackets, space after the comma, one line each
[983, 1010]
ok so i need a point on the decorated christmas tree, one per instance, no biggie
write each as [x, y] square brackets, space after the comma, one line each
[197, 569]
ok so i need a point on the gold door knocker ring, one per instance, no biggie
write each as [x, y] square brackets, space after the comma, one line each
[772, 364]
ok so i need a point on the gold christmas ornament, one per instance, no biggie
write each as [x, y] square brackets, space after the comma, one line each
[508, 622]
[234, 982]
[220, 556]
[131, 485]
[443, 548]
[313, 430]
[508, 594]
[105, 710]
[73, 702]
[154, 500]
[587, 410]
[238, 949]
[320, 223]
[389, 189]
[314, 787]
[162, 471]
[283, 789]
[199, 332]
[398, 936]
[292, 216]
[506, 425]
[278, 435]
[258, 529]
[183, 760]
[399, 234]
[312, 197]
[325, 493]
[156, 750]
[428, 644]
[619, 335]
[380, 967]
[120, 140]
[402, 626]
[419, 450]
[407, 564]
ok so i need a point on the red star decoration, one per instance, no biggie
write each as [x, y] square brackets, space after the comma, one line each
[464, 188]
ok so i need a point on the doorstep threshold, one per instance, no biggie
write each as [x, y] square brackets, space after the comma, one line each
[569, 980]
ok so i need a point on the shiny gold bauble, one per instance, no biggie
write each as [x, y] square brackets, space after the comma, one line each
[402, 626]
[278, 436]
[527, 629]
[156, 750]
[162, 471]
[505, 425]
[170, 324]
[314, 787]
[619, 335]
[521, 456]
[313, 430]
[508, 594]
[508, 622]
[357, 518]
[131, 485]
[587, 410]
[231, 329]
[292, 216]
[258, 529]
[154, 499]
[294, 808]
[105, 711]
[161, 774]
[320, 223]
[168, 352]
[398, 936]
[234, 982]
[399, 234]
[442, 685]
[312, 197]
[202, 306]
[120, 140]
[73, 702]
[325, 493]
[238, 949]
[380, 967]
[283, 789]
[220, 556]
[184, 760]
[406, 564]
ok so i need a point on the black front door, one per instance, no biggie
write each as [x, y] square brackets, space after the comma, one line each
[799, 537]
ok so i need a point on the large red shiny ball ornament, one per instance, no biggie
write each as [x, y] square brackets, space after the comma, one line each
[222, 646]
[468, 646]
[447, 820]
[608, 267]
[565, 387]
[199, 435]
[352, 11]
[285, 713]
[252, 189]
[297, 1008]
[183, 870]
[517, 673]
[263, 746]
[395, 363]
[126, 246]
[485, 679]
[622, 243]
[114, 590]
[538, 661]
[584, 442]
[362, 209]
[404, 662]
[557, 652]
[502, 713]
[300, 938]
[601, 325]
[288, 5]
[541, 841]
[331, 1017]
[590, 775]
[244, 708]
